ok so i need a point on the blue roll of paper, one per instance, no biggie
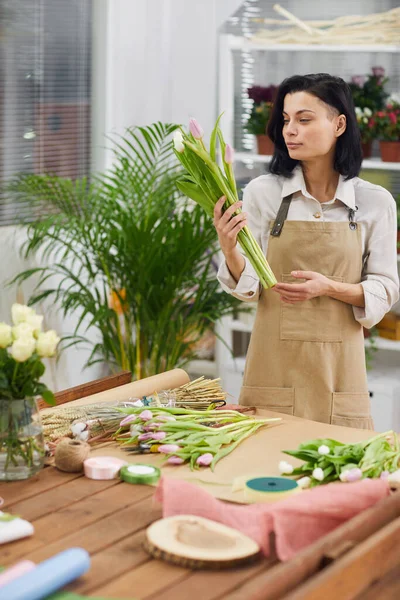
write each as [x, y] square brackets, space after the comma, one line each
[48, 577]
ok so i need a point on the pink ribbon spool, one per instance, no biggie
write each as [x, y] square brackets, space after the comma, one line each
[15, 571]
[102, 467]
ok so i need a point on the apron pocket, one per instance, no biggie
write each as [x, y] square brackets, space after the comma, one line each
[316, 320]
[272, 398]
[351, 409]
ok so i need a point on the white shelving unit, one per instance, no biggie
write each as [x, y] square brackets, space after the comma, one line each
[229, 46]
[369, 163]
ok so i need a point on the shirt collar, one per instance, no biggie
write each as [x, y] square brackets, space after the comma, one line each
[344, 191]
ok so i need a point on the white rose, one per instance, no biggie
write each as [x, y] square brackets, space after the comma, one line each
[178, 141]
[22, 330]
[35, 321]
[5, 335]
[23, 348]
[367, 112]
[47, 343]
[365, 120]
[20, 313]
[358, 111]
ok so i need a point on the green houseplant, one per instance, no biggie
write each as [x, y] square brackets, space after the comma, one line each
[22, 348]
[386, 123]
[134, 257]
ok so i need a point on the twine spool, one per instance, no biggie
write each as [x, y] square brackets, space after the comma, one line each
[70, 454]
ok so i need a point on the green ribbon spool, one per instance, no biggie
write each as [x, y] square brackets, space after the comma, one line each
[269, 489]
[142, 474]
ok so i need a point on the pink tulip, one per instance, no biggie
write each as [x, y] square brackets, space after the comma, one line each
[175, 460]
[229, 154]
[169, 448]
[159, 435]
[127, 420]
[145, 436]
[165, 418]
[205, 460]
[146, 415]
[152, 426]
[195, 129]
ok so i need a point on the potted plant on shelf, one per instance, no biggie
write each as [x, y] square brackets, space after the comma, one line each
[263, 98]
[22, 347]
[369, 96]
[365, 124]
[386, 123]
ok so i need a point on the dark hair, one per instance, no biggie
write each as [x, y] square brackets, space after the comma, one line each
[336, 93]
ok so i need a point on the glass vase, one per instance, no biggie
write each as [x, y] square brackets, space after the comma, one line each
[22, 449]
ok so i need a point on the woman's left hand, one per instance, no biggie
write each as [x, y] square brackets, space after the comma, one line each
[316, 285]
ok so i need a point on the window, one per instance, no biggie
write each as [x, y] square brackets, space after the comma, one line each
[45, 95]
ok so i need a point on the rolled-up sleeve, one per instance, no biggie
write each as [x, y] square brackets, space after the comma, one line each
[380, 278]
[247, 289]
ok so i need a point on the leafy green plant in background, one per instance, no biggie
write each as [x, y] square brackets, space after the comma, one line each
[129, 235]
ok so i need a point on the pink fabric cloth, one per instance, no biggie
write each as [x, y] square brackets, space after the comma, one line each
[297, 521]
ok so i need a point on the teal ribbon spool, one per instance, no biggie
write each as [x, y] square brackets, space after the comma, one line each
[139, 473]
[269, 489]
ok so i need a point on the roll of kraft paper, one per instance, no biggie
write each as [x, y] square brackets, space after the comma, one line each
[269, 489]
[48, 577]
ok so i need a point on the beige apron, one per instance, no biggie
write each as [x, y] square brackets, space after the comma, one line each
[307, 359]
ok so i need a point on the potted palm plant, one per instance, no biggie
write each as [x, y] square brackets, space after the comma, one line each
[263, 98]
[133, 256]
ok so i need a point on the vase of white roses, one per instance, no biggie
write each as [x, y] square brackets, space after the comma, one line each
[22, 348]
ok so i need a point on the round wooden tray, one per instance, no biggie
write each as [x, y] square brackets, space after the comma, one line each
[198, 543]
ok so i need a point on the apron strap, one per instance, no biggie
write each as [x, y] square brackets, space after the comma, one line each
[281, 216]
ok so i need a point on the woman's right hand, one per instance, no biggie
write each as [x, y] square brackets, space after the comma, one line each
[228, 226]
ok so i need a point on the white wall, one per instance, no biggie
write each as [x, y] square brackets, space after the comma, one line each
[159, 63]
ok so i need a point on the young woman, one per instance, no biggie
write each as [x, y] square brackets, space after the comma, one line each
[330, 238]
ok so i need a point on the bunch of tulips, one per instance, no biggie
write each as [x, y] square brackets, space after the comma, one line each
[198, 437]
[205, 182]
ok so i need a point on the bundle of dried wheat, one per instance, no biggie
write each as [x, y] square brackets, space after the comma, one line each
[374, 29]
[96, 423]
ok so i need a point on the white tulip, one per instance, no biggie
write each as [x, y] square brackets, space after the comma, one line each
[285, 468]
[22, 330]
[35, 321]
[304, 482]
[5, 335]
[20, 313]
[23, 348]
[47, 343]
[178, 141]
[323, 449]
[318, 474]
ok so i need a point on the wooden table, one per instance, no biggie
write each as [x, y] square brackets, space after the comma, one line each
[109, 518]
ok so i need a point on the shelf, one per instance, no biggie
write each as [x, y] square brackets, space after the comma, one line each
[208, 368]
[241, 43]
[384, 344]
[369, 163]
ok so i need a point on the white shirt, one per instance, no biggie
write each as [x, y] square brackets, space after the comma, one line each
[376, 214]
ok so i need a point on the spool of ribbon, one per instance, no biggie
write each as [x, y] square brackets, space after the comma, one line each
[70, 454]
[102, 467]
[142, 474]
[269, 489]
